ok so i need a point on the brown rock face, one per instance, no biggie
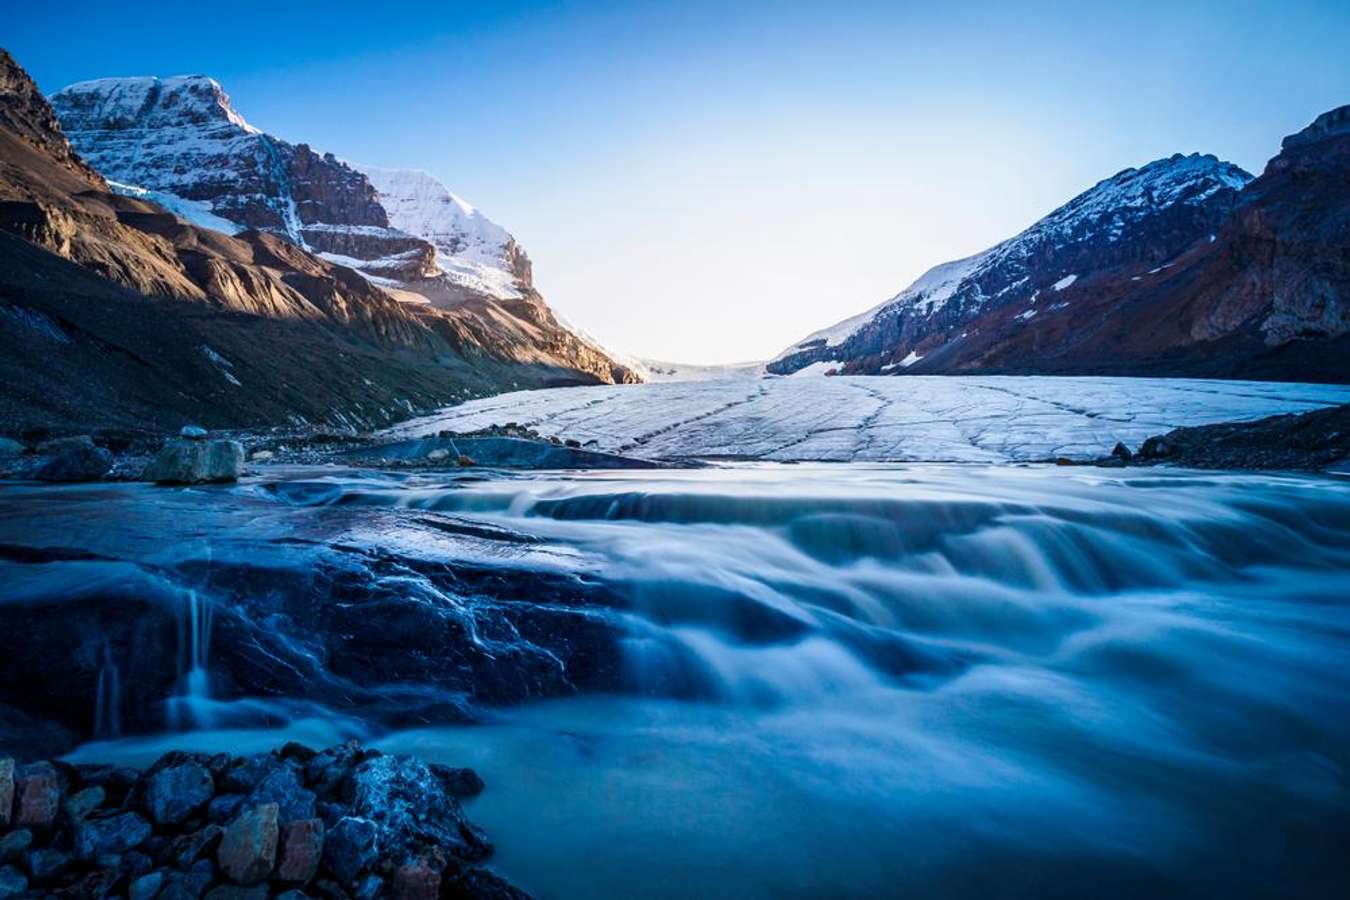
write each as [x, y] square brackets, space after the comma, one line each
[38, 797]
[301, 850]
[249, 848]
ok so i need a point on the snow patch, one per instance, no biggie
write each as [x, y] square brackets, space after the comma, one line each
[1064, 282]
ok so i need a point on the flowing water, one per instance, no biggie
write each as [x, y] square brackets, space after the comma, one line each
[821, 680]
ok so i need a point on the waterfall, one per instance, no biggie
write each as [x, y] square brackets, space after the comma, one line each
[108, 697]
[191, 705]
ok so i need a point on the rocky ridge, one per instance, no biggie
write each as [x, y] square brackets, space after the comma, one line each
[180, 141]
[1187, 266]
[115, 311]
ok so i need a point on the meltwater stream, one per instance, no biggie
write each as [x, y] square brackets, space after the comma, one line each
[758, 681]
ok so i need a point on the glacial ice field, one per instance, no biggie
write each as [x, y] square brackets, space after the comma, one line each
[988, 419]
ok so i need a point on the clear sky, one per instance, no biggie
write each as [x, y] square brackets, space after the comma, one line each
[709, 182]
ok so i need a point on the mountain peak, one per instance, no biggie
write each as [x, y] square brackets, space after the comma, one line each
[1329, 124]
[148, 102]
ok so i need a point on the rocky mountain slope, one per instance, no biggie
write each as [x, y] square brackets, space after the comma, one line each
[179, 141]
[116, 312]
[1186, 266]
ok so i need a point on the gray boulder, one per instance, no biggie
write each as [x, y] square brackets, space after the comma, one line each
[73, 459]
[116, 834]
[177, 791]
[194, 461]
[413, 809]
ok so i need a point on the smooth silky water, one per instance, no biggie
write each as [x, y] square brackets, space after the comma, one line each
[867, 680]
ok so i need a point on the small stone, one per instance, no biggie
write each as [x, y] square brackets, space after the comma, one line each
[224, 807]
[145, 887]
[46, 863]
[177, 791]
[244, 773]
[350, 848]
[368, 888]
[13, 883]
[298, 752]
[301, 850]
[116, 781]
[188, 848]
[572, 442]
[249, 848]
[80, 805]
[115, 834]
[237, 892]
[192, 432]
[6, 791]
[37, 791]
[417, 880]
[184, 885]
[283, 787]
[135, 864]
[466, 461]
[14, 844]
[1120, 451]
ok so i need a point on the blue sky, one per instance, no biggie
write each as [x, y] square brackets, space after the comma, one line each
[706, 184]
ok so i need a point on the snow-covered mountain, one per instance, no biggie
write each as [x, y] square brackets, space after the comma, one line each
[1138, 217]
[181, 143]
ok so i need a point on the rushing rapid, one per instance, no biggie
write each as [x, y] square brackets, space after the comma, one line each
[761, 680]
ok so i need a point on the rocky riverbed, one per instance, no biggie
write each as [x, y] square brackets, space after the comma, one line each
[345, 822]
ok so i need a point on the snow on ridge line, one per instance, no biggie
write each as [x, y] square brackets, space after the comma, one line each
[1133, 191]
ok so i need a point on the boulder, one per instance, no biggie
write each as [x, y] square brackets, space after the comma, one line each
[191, 461]
[6, 792]
[13, 883]
[248, 849]
[413, 809]
[301, 851]
[37, 801]
[1120, 451]
[350, 848]
[192, 432]
[116, 781]
[115, 834]
[10, 448]
[13, 845]
[74, 459]
[175, 792]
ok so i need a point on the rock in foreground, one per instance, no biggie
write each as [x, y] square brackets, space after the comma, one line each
[193, 460]
[386, 826]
